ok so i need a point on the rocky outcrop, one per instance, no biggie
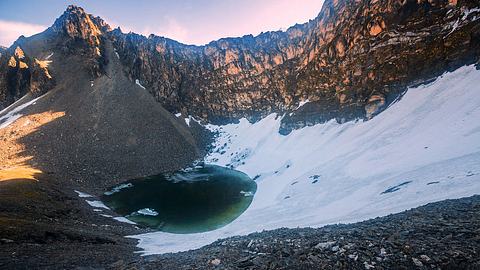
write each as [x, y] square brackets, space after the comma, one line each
[350, 62]
[21, 74]
[77, 32]
[28, 66]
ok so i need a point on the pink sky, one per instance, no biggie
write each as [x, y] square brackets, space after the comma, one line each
[188, 21]
[250, 17]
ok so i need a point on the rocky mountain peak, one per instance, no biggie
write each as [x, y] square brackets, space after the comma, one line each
[76, 23]
[79, 33]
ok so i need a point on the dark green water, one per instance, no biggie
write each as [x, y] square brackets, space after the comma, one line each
[189, 201]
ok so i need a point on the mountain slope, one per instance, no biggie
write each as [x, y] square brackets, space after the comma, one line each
[92, 131]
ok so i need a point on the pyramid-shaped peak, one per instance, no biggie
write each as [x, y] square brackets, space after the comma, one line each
[75, 22]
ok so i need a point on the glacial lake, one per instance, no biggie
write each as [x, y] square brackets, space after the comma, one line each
[193, 200]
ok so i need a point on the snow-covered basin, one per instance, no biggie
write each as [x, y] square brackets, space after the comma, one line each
[337, 173]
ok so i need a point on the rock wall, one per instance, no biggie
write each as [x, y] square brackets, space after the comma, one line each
[350, 62]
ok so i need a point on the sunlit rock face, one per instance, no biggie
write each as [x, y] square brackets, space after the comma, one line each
[21, 74]
[25, 66]
[350, 62]
[76, 32]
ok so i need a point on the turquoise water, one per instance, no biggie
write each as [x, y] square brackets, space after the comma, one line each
[195, 200]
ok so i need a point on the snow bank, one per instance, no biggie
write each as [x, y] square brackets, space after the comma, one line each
[423, 148]
[14, 114]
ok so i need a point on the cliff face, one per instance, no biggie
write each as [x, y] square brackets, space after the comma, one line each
[21, 74]
[350, 62]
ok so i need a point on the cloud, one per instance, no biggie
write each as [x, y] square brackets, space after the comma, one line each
[11, 30]
[174, 30]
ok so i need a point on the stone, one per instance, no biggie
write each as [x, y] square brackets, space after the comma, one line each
[374, 105]
[215, 262]
[425, 258]
[417, 262]
[325, 245]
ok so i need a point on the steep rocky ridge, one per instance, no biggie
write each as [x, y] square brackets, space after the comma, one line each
[350, 62]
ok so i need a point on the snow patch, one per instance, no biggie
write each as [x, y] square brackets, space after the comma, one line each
[49, 56]
[302, 103]
[14, 104]
[97, 204]
[459, 22]
[124, 220]
[139, 84]
[189, 119]
[339, 173]
[83, 195]
[15, 114]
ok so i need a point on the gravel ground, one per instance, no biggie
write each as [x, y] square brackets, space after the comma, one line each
[443, 235]
[44, 225]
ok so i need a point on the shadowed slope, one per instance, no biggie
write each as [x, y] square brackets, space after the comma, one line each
[111, 130]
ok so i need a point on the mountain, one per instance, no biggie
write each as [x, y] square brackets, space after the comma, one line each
[85, 121]
[350, 62]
